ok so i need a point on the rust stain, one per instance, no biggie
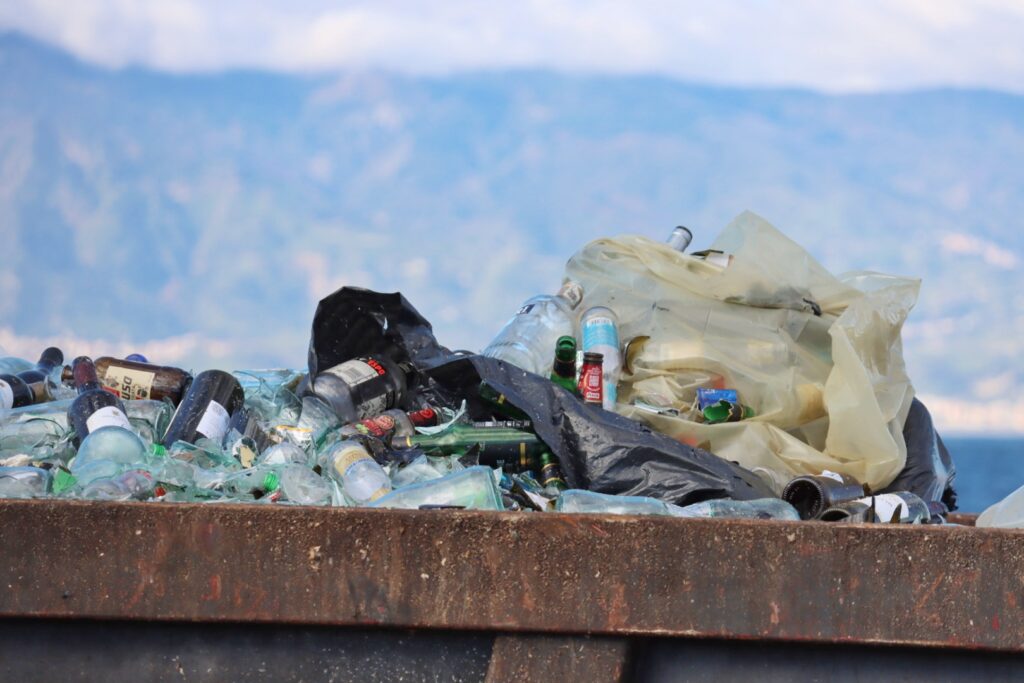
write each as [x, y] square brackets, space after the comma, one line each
[214, 593]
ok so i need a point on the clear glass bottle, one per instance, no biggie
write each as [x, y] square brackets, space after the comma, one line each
[527, 339]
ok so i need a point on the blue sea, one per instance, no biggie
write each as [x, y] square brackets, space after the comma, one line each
[987, 469]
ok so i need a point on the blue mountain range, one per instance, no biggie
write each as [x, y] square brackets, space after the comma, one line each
[137, 206]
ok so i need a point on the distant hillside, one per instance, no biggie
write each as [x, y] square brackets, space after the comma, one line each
[212, 212]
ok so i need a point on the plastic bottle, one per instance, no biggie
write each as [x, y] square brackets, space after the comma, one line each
[301, 485]
[472, 489]
[762, 508]
[599, 327]
[362, 479]
[23, 482]
[527, 339]
[577, 500]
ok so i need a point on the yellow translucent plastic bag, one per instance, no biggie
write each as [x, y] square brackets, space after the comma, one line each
[828, 391]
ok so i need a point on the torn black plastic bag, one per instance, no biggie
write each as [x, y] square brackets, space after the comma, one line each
[598, 450]
[929, 471]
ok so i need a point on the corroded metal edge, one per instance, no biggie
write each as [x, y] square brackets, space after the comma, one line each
[516, 572]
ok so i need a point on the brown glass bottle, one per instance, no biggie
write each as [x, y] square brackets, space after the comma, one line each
[132, 380]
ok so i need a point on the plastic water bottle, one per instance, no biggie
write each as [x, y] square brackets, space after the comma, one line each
[527, 339]
[362, 479]
[600, 330]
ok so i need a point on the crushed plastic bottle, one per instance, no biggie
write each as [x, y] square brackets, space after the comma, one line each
[473, 488]
[23, 482]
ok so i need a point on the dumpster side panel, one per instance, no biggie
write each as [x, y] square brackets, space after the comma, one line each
[941, 586]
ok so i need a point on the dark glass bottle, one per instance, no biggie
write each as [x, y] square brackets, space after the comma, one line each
[813, 494]
[551, 471]
[902, 507]
[499, 403]
[362, 387]
[132, 380]
[49, 359]
[563, 372]
[591, 386]
[94, 407]
[15, 392]
[205, 411]
[510, 449]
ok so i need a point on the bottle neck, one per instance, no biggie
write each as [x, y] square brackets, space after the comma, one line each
[84, 372]
[49, 359]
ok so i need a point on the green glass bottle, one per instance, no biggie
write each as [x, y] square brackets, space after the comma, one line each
[551, 471]
[511, 449]
[499, 402]
[563, 372]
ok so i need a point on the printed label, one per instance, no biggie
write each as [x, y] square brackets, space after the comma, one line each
[832, 475]
[377, 426]
[354, 372]
[600, 331]
[214, 423]
[886, 505]
[591, 384]
[707, 397]
[525, 309]
[111, 416]
[129, 383]
[349, 457]
[6, 395]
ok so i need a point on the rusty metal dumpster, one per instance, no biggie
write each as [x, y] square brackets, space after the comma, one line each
[151, 591]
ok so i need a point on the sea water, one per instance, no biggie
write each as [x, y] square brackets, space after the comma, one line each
[987, 469]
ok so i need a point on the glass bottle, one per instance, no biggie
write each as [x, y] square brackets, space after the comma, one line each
[680, 238]
[94, 407]
[600, 330]
[563, 372]
[361, 387]
[527, 339]
[813, 494]
[206, 409]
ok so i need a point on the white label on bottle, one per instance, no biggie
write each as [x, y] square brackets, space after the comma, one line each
[110, 416]
[128, 383]
[346, 463]
[214, 423]
[832, 475]
[6, 395]
[886, 505]
[354, 372]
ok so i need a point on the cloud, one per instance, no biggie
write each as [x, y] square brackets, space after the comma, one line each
[840, 46]
[969, 245]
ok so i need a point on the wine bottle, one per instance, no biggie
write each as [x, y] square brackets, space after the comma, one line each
[133, 380]
[206, 409]
[361, 387]
[563, 372]
[902, 507]
[49, 359]
[499, 403]
[94, 407]
[510, 449]
[813, 494]
[15, 392]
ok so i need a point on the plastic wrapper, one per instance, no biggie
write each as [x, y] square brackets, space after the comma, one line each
[817, 358]
[598, 450]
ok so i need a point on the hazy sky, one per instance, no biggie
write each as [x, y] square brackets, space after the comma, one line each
[836, 46]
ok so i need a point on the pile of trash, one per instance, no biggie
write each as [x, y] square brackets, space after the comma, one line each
[739, 381]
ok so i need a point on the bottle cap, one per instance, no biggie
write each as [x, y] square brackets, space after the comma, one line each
[593, 358]
[571, 291]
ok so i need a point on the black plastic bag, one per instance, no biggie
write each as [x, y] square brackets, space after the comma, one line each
[929, 471]
[598, 450]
